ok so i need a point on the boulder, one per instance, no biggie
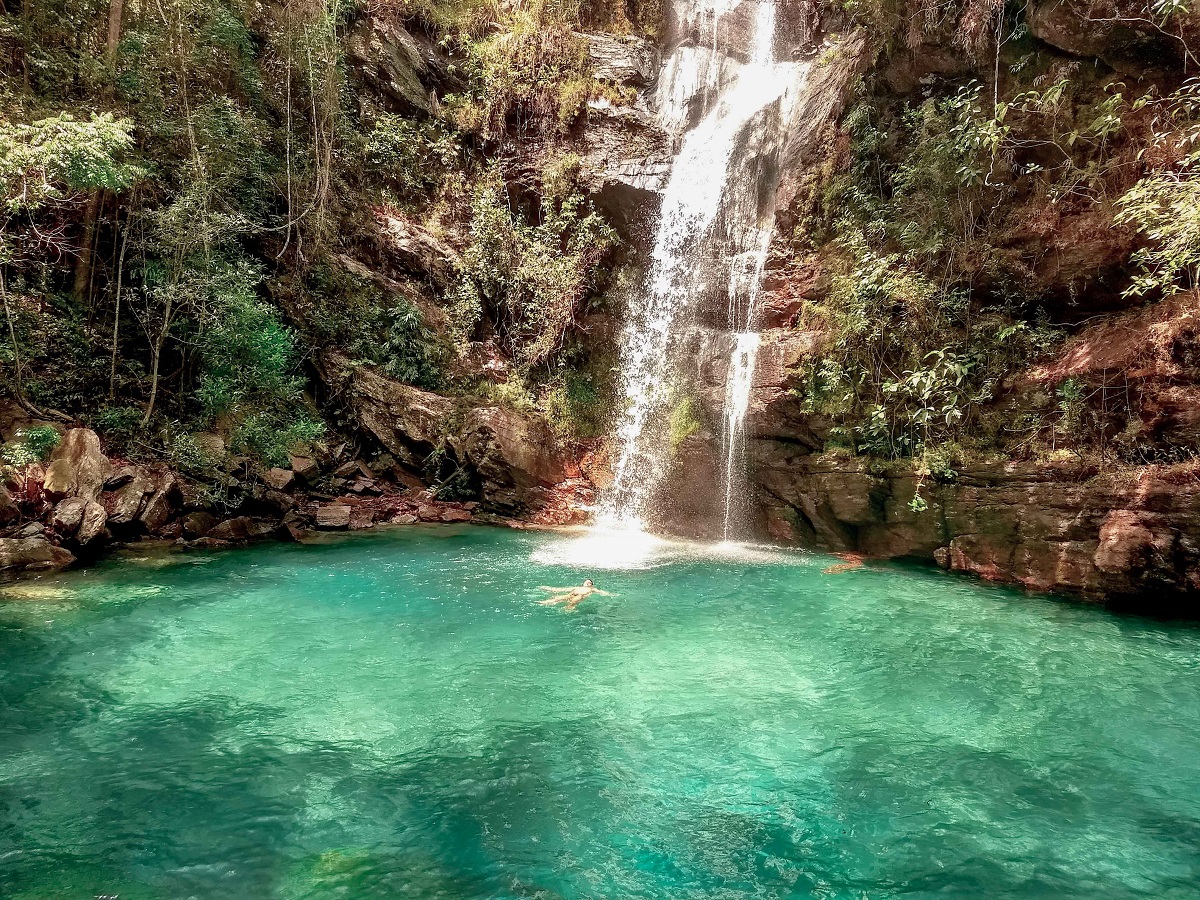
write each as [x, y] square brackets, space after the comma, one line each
[32, 553]
[68, 514]
[92, 524]
[513, 454]
[279, 501]
[235, 530]
[403, 69]
[305, 467]
[409, 248]
[162, 503]
[77, 468]
[125, 503]
[9, 511]
[333, 515]
[361, 517]
[198, 524]
[409, 422]
[455, 515]
[279, 479]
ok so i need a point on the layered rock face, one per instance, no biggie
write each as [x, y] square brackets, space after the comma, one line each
[1127, 540]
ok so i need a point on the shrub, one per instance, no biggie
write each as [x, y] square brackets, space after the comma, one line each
[531, 278]
[576, 406]
[31, 445]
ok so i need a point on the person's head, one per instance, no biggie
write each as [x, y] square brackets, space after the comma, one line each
[587, 582]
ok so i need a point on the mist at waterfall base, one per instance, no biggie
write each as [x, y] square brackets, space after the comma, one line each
[393, 715]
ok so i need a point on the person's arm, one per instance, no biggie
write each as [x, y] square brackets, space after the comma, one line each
[543, 587]
[601, 593]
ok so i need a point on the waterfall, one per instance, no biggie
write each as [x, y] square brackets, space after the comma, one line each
[737, 401]
[713, 233]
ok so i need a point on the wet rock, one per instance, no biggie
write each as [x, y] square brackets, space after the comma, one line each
[625, 163]
[198, 524]
[455, 515]
[361, 517]
[429, 513]
[126, 502]
[404, 519]
[1047, 527]
[32, 554]
[77, 468]
[279, 479]
[236, 530]
[630, 61]
[333, 515]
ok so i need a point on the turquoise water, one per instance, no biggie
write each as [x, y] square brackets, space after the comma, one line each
[393, 715]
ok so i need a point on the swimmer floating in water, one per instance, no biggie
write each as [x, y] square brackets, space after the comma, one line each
[571, 596]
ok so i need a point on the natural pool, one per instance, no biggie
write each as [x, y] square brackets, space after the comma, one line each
[392, 715]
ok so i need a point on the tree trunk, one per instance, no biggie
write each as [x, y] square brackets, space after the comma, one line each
[115, 8]
[83, 265]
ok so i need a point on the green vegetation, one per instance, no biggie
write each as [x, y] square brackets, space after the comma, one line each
[684, 422]
[188, 191]
[30, 445]
[935, 297]
[531, 277]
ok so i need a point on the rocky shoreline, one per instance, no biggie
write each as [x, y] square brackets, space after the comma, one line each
[82, 504]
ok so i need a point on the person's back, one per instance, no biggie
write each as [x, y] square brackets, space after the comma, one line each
[572, 596]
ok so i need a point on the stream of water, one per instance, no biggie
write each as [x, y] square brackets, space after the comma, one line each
[713, 233]
[393, 715]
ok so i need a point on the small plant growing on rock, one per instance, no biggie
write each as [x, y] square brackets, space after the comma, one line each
[32, 445]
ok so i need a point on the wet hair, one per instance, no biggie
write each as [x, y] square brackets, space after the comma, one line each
[587, 582]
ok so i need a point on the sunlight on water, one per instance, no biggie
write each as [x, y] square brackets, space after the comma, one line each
[393, 715]
[629, 548]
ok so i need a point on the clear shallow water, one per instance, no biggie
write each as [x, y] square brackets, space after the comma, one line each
[392, 715]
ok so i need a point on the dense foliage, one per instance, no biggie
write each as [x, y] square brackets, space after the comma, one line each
[184, 182]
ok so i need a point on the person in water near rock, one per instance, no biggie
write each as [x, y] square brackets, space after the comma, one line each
[571, 596]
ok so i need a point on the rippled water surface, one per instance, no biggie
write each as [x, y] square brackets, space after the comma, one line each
[393, 715]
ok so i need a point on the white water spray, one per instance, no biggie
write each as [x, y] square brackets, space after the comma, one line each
[713, 228]
[737, 402]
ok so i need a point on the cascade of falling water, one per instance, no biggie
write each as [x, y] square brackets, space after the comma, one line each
[717, 180]
[737, 402]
